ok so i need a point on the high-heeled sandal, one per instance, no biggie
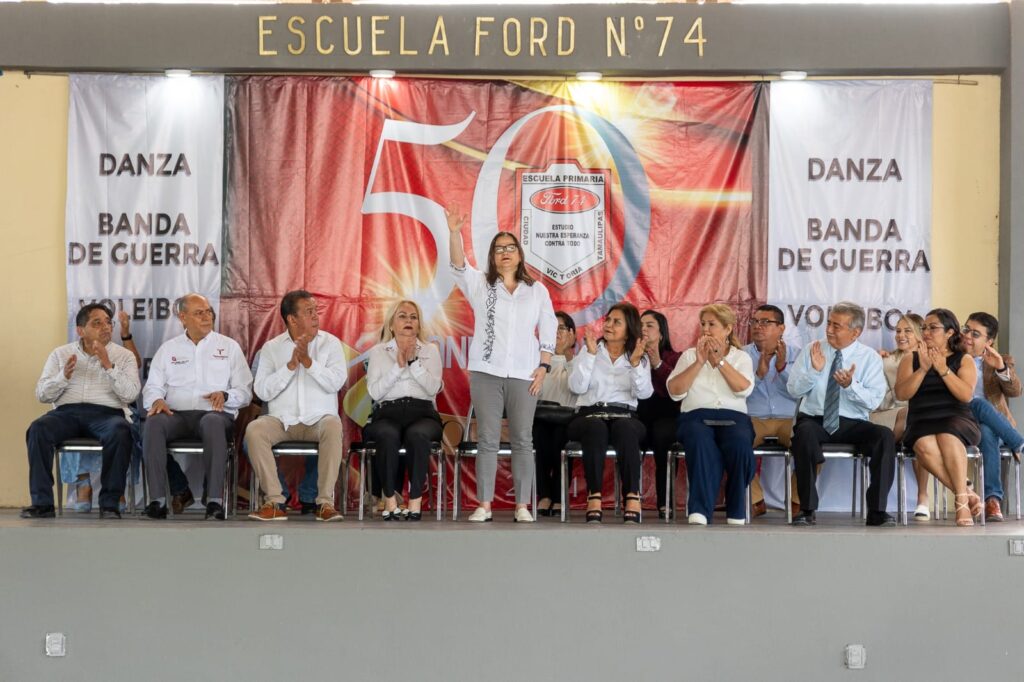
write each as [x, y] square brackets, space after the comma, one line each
[966, 506]
[631, 516]
[594, 515]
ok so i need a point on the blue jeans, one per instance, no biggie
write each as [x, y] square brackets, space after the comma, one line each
[994, 428]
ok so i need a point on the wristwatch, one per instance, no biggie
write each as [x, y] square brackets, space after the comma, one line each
[720, 363]
[546, 366]
[126, 338]
[943, 375]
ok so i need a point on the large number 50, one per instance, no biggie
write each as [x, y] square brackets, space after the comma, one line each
[635, 192]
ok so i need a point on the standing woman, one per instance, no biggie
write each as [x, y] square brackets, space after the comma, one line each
[403, 377]
[507, 361]
[610, 376]
[659, 412]
[893, 413]
[939, 386]
[554, 412]
[712, 381]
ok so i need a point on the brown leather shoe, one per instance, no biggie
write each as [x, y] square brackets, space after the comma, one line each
[327, 512]
[269, 512]
[180, 503]
[758, 509]
[993, 510]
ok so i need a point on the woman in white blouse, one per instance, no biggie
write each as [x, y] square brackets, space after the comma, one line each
[403, 376]
[507, 360]
[712, 382]
[610, 376]
[554, 412]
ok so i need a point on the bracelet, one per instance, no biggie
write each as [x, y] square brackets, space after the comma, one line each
[546, 366]
[126, 338]
[720, 363]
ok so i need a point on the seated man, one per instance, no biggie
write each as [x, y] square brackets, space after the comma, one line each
[997, 381]
[840, 382]
[92, 383]
[770, 406]
[197, 383]
[299, 375]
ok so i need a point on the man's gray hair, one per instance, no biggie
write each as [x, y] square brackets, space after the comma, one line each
[855, 312]
[179, 303]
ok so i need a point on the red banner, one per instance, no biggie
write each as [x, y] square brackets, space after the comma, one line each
[646, 192]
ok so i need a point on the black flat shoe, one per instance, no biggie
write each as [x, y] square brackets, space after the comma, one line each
[214, 510]
[414, 516]
[111, 512]
[155, 510]
[391, 515]
[38, 511]
[880, 519]
[308, 508]
[804, 518]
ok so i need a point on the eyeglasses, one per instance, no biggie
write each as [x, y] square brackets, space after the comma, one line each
[837, 326]
[507, 248]
[202, 313]
[933, 328]
[563, 328]
[763, 323]
[973, 333]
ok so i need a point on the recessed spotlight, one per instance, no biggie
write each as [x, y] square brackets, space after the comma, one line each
[382, 73]
[793, 75]
[177, 73]
[588, 75]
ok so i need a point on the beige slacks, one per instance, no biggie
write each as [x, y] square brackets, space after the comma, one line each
[262, 434]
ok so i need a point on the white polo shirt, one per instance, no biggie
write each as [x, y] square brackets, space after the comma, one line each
[385, 380]
[182, 372]
[301, 395]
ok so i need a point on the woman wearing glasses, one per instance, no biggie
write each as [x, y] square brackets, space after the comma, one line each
[554, 412]
[939, 386]
[892, 413]
[610, 377]
[507, 360]
[659, 412]
[712, 381]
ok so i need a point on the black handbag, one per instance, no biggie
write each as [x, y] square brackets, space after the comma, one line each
[553, 413]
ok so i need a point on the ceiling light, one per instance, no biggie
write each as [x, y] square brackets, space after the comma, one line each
[793, 75]
[588, 75]
[382, 73]
[177, 73]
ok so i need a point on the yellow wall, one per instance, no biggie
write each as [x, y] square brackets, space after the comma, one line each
[33, 142]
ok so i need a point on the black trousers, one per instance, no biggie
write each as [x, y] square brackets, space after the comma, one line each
[412, 424]
[873, 440]
[80, 420]
[625, 435]
[549, 438]
[659, 417]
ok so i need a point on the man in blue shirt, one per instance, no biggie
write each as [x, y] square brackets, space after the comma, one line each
[840, 383]
[770, 406]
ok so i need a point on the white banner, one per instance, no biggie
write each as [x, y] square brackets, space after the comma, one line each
[850, 202]
[144, 204]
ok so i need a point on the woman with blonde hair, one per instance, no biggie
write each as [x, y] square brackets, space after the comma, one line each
[403, 378]
[712, 381]
[892, 413]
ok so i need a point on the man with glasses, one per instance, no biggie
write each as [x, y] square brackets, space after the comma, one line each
[197, 383]
[770, 406]
[839, 383]
[997, 381]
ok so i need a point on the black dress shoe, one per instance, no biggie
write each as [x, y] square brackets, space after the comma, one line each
[877, 518]
[155, 510]
[38, 511]
[112, 512]
[182, 501]
[308, 508]
[215, 510]
[804, 518]
[665, 514]
[414, 516]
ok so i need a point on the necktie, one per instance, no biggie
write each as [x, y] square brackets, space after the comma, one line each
[830, 418]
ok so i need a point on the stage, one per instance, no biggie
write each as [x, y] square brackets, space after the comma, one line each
[193, 599]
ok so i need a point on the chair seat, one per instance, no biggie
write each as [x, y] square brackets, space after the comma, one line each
[74, 444]
[770, 450]
[839, 450]
[296, 447]
[575, 449]
[470, 448]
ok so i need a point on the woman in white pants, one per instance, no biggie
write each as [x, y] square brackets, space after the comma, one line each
[507, 360]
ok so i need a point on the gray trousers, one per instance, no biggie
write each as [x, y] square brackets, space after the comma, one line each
[491, 396]
[212, 427]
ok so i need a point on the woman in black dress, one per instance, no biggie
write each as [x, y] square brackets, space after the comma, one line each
[939, 386]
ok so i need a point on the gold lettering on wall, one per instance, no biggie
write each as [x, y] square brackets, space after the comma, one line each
[401, 37]
[481, 32]
[264, 52]
[566, 46]
[436, 40]
[664, 37]
[359, 36]
[319, 43]
[537, 39]
[619, 36]
[518, 33]
[699, 39]
[374, 32]
[292, 28]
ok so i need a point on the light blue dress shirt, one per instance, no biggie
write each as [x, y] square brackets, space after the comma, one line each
[771, 398]
[864, 393]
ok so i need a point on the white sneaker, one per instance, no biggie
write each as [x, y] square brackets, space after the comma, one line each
[480, 515]
[523, 515]
[697, 520]
[736, 522]
[922, 512]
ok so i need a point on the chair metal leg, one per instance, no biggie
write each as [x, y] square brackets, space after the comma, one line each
[1016, 474]
[789, 487]
[746, 505]
[901, 489]
[564, 492]
[362, 483]
[864, 471]
[346, 462]
[853, 493]
[670, 502]
[979, 473]
[440, 484]
[234, 488]
[60, 483]
[456, 487]
[641, 491]
[145, 483]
